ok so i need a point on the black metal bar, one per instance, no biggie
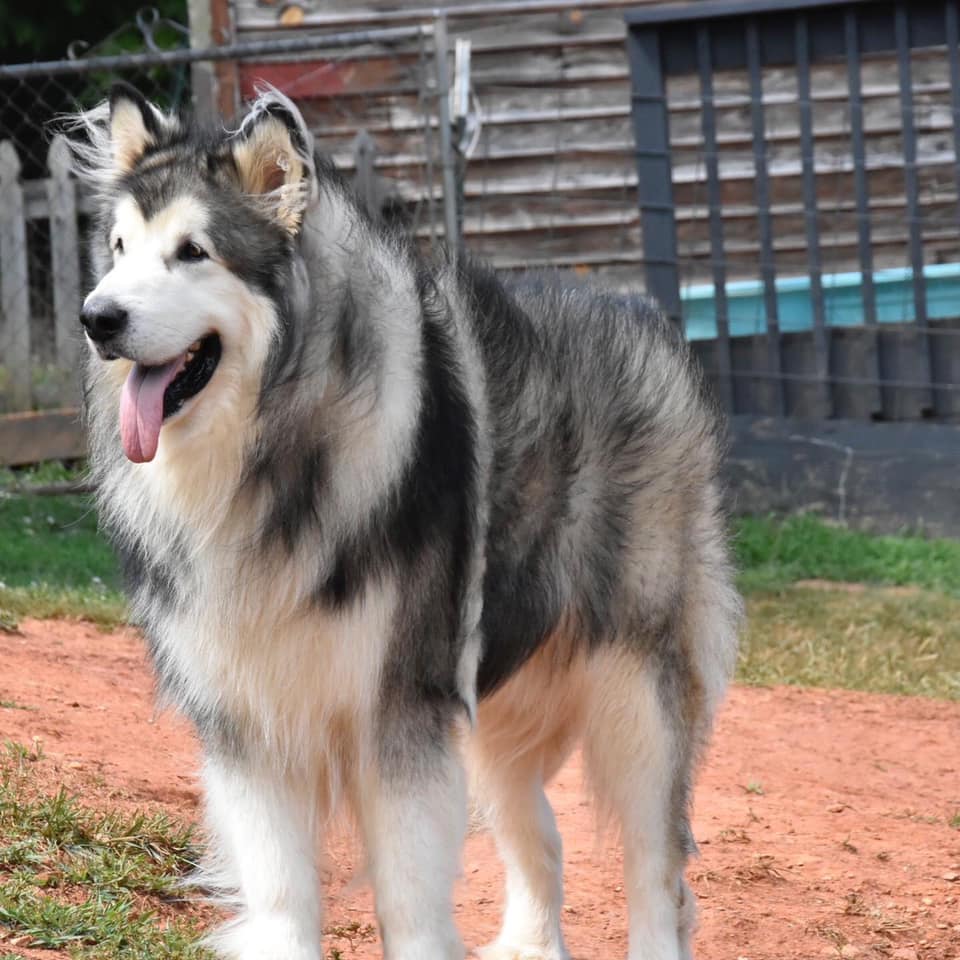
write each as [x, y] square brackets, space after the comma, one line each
[715, 9]
[762, 195]
[660, 207]
[825, 30]
[953, 55]
[715, 207]
[902, 30]
[802, 47]
[861, 184]
[651, 127]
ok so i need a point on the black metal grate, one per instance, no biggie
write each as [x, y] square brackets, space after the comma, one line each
[870, 368]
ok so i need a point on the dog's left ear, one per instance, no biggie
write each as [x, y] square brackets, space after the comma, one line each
[134, 126]
[272, 152]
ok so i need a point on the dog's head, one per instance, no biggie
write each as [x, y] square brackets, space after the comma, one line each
[194, 251]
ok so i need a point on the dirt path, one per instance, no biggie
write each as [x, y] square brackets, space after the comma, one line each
[824, 818]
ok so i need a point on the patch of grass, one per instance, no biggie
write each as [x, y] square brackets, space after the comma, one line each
[54, 561]
[106, 608]
[53, 540]
[51, 471]
[859, 640]
[772, 554]
[103, 885]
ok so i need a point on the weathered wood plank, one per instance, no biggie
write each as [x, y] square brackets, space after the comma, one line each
[34, 437]
[378, 76]
[254, 17]
[14, 283]
[64, 253]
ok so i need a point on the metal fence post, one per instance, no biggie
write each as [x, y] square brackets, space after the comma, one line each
[447, 159]
[654, 182]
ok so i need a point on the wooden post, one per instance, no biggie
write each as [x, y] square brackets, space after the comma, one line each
[14, 281]
[365, 158]
[228, 83]
[64, 253]
[215, 84]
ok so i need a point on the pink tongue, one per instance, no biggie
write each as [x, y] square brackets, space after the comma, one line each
[141, 408]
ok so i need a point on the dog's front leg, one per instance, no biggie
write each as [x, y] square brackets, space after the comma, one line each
[260, 822]
[413, 812]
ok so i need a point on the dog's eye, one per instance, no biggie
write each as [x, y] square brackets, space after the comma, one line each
[191, 252]
[118, 245]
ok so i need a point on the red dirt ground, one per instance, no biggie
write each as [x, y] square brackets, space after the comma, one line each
[823, 817]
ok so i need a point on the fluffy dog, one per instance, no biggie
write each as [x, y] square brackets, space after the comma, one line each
[385, 521]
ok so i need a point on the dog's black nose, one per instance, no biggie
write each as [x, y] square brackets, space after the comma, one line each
[103, 320]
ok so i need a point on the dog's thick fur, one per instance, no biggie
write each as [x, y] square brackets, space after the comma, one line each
[416, 523]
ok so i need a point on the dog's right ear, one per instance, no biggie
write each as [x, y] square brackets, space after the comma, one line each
[134, 126]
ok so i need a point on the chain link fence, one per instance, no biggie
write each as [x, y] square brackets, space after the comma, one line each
[360, 91]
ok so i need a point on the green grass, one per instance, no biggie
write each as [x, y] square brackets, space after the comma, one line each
[105, 886]
[898, 632]
[53, 560]
[775, 553]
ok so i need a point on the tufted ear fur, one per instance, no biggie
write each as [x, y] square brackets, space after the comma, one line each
[134, 126]
[114, 135]
[272, 155]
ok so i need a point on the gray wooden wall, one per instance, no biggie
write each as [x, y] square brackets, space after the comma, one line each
[553, 178]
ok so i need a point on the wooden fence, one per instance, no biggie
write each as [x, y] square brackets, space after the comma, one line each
[53, 199]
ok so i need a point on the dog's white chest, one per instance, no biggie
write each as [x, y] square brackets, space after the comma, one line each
[278, 676]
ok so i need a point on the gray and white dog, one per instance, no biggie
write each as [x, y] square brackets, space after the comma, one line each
[393, 530]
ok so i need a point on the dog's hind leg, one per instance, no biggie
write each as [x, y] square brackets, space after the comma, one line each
[513, 800]
[413, 816]
[266, 849]
[639, 751]
[524, 733]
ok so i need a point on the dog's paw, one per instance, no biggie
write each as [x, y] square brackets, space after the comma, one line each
[512, 951]
[264, 937]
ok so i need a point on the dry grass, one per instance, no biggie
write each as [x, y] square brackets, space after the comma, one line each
[760, 869]
[878, 639]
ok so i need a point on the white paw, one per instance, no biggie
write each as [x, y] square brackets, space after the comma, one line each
[440, 946]
[265, 937]
[499, 950]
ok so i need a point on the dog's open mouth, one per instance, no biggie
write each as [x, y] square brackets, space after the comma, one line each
[151, 394]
